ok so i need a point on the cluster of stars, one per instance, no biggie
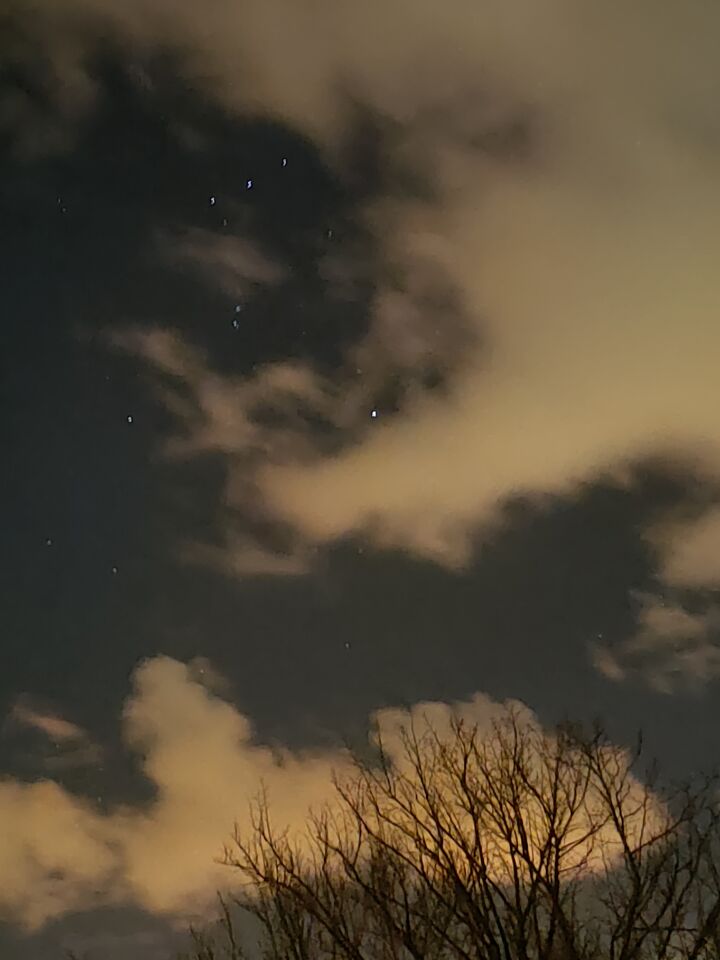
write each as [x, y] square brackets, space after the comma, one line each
[212, 200]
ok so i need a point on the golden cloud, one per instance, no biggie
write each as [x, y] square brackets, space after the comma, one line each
[58, 854]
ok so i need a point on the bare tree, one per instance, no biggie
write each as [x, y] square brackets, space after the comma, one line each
[476, 844]
[508, 845]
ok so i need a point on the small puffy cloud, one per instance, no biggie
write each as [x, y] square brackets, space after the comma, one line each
[672, 647]
[50, 725]
[676, 645]
[64, 744]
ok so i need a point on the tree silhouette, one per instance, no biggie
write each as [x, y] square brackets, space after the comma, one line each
[500, 842]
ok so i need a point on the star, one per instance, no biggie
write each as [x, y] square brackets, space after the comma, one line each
[373, 414]
[114, 569]
[248, 185]
[284, 161]
[129, 418]
[48, 542]
[212, 201]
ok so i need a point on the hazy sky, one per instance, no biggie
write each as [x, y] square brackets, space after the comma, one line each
[357, 357]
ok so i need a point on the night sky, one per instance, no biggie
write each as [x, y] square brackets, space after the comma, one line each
[353, 357]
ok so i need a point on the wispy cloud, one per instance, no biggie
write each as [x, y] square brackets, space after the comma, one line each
[232, 263]
[581, 247]
[673, 648]
[64, 745]
[54, 727]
